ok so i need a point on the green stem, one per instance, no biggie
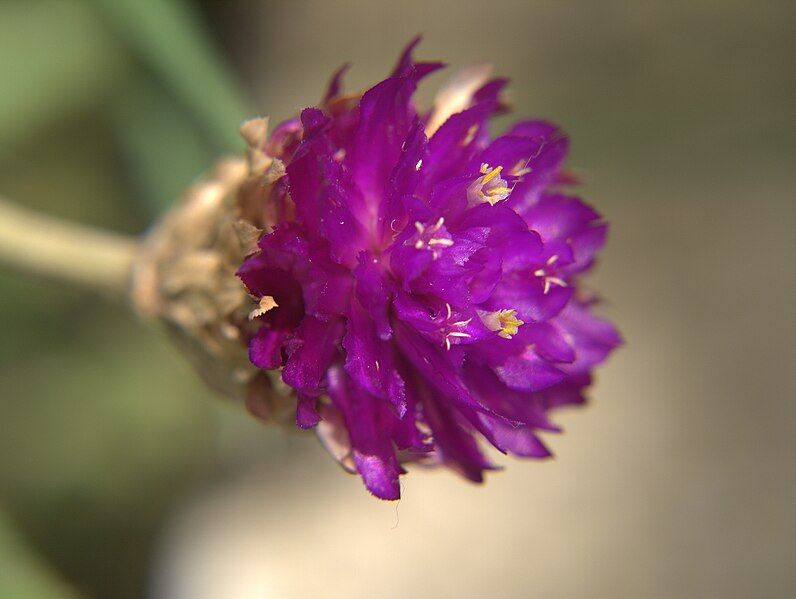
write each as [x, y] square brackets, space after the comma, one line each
[68, 252]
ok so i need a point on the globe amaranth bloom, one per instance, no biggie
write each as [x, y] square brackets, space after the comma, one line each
[418, 280]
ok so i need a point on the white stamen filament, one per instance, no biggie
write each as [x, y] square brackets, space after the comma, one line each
[433, 241]
[446, 342]
[455, 334]
[549, 281]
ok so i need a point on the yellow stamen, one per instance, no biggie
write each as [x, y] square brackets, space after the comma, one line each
[509, 323]
[505, 322]
[497, 190]
[490, 187]
[492, 174]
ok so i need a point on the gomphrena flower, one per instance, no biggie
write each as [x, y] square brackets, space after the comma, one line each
[417, 280]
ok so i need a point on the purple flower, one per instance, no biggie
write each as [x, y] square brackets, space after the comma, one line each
[419, 285]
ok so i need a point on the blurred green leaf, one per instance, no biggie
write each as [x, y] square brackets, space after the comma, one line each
[55, 57]
[163, 150]
[100, 436]
[22, 574]
[169, 38]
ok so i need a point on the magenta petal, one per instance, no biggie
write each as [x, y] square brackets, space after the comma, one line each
[379, 475]
[511, 152]
[306, 414]
[438, 366]
[455, 441]
[326, 198]
[519, 440]
[593, 338]
[567, 393]
[529, 372]
[535, 129]
[406, 63]
[455, 144]
[335, 84]
[265, 348]
[526, 294]
[558, 216]
[370, 361]
[373, 453]
[404, 180]
[585, 245]
[551, 342]
[251, 273]
[327, 287]
[386, 119]
[542, 171]
[375, 291]
[514, 407]
[316, 347]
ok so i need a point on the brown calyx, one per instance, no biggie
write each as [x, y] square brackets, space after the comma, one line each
[184, 275]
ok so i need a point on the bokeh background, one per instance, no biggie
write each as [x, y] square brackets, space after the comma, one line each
[121, 476]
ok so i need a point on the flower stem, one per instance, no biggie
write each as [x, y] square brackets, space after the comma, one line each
[67, 252]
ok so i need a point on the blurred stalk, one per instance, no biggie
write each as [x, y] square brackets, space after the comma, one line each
[162, 148]
[67, 252]
[170, 38]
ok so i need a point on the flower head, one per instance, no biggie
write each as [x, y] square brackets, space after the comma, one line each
[417, 280]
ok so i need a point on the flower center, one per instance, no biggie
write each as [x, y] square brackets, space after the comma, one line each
[453, 330]
[433, 238]
[549, 279]
[505, 322]
[490, 187]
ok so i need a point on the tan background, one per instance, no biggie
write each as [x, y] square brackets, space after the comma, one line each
[677, 481]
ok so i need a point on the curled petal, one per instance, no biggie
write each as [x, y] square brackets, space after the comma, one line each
[373, 453]
[312, 353]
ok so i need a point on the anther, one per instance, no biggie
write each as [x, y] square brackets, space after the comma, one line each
[490, 187]
[504, 322]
